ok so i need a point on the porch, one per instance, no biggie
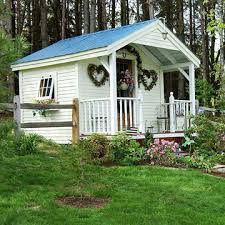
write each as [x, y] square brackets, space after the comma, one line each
[172, 117]
[130, 112]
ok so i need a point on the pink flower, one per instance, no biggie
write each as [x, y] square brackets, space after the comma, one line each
[157, 141]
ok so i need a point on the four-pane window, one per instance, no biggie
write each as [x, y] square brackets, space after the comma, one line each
[46, 88]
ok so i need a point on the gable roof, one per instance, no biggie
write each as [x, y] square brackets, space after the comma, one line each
[85, 42]
[103, 43]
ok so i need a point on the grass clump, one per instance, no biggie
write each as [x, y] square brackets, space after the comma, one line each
[12, 144]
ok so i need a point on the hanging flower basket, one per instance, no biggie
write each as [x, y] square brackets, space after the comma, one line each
[123, 86]
[126, 81]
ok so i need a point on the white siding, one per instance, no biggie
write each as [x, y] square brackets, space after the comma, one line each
[155, 39]
[152, 98]
[87, 90]
[66, 87]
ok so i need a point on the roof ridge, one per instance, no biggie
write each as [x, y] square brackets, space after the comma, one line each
[108, 30]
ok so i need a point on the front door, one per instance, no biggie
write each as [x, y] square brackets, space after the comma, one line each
[125, 91]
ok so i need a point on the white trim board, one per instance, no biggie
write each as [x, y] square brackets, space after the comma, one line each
[168, 135]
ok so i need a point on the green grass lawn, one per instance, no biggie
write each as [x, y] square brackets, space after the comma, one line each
[139, 195]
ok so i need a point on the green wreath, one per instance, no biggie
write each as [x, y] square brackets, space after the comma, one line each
[92, 69]
[149, 74]
[143, 72]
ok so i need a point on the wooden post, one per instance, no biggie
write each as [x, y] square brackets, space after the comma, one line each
[75, 121]
[172, 113]
[17, 114]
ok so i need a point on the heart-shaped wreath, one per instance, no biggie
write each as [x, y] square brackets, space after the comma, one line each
[149, 79]
[98, 74]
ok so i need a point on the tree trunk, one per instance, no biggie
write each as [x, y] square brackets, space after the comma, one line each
[19, 17]
[78, 17]
[8, 20]
[44, 34]
[93, 16]
[127, 13]
[194, 26]
[148, 9]
[123, 12]
[138, 11]
[63, 32]
[13, 19]
[221, 35]
[205, 50]
[180, 20]
[191, 24]
[86, 17]
[102, 21]
[113, 13]
[35, 25]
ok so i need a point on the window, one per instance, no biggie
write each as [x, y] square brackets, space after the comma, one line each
[46, 88]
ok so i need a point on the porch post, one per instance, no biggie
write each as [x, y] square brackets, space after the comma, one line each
[113, 93]
[172, 113]
[192, 87]
[141, 122]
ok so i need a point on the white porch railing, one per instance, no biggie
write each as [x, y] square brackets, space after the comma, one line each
[95, 117]
[175, 115]
[130, 113]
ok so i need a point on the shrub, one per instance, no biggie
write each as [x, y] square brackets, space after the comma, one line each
[119, 146]
[96, 147]
[210, 134]
[162, 152]
[126, 151]
[27, 143]
[195, 161]
[148, 139]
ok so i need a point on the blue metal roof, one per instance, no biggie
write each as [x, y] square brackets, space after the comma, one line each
[84, 42]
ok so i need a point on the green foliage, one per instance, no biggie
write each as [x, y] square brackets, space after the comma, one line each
[119, 146]
[26, 144]
[198, 162]
[95, 147]
[134, 153]
[148, 139]
[208, 133]
[204, 92]
[10, 50]
[7, 139]
[12, 144]
[126, 151]
[188, 143]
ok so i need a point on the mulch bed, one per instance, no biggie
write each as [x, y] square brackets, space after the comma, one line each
[85, 202]
[216, 174]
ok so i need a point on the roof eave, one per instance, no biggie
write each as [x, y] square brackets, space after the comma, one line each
[60, 59]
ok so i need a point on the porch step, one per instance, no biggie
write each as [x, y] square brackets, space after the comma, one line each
[133, 131]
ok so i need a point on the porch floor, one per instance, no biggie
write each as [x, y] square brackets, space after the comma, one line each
[155, 136]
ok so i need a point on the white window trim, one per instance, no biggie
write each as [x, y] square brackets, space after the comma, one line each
[54, 82]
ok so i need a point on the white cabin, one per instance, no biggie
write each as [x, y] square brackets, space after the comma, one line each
[70, 69]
